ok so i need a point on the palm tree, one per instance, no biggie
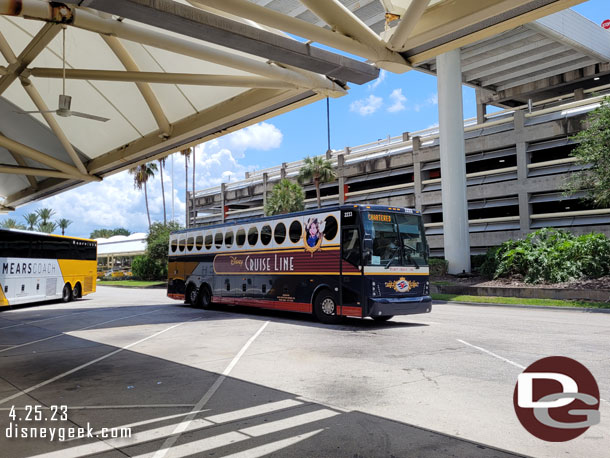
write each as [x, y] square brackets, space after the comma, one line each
[186, 153]
[319, 170]
[45, 214]
[10, 223]
[161, 167]
[286, 197]
[31, 219]
[49, 227]
[141, 174]
[63, 224]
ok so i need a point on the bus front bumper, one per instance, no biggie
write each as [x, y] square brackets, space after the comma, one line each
[400, 306]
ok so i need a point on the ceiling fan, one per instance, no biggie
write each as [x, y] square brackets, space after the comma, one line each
[65, 100]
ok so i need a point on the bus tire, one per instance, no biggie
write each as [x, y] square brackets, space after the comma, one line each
[76, 292]
[205, 297]
[325, 307]
[192, 296]
[66, 294]
[383, 317]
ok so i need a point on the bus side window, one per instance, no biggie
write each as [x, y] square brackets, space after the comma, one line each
[351, 246]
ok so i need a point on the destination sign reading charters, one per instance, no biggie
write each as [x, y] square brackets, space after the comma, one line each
[384, 218]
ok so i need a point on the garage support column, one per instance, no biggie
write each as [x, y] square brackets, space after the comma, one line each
[453, 162]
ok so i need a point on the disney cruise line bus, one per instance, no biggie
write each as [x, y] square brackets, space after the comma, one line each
[349, 260]
[40, 267]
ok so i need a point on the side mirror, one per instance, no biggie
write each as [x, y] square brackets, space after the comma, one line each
[366, 257]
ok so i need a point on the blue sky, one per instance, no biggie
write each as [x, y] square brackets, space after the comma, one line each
[388, 106]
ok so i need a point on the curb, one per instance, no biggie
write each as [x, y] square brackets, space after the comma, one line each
[135, 287]
[517, 306]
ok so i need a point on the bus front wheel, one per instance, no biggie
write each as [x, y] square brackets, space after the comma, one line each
[66, 294]
[325, 308]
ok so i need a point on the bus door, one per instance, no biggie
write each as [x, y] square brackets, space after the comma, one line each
[351, 280]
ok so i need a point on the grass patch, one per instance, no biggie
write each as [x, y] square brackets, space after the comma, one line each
[135, 283]
[519, 301]
[442, 283]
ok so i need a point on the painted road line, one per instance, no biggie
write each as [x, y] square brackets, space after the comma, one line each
[111, 444]
[505, 360]
[146, 422]
[87, 364]
[292, 422]
[266, 449]
[492, 354]
[208, 395]
[134, 406]
[75, 330]
[253, 411]
[105, 445]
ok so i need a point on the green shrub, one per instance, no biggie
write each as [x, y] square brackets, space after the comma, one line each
[146, 268]
[438, 267]
[551, 255]
[489, 265]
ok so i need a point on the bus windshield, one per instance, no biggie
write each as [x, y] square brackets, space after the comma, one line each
[397, 239]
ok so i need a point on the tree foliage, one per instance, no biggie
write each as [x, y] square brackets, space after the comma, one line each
[46, 226]
[550, 255]
[153, 265]
[107, 233]
[318, 170]
[286, 197]
[593, 154]
[31, 219]
[45, 214]
[10, 223]
[63, 224]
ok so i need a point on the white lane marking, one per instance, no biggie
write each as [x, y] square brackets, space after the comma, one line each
[206, 397]
[253, 411]
[109, 444]
[266, 449]
[147, 422]
[75, 330]
[504, 359]
[201, 445]
[93, 361]
[492, 354]
[196, 424]
[135, 406]
[298, 420]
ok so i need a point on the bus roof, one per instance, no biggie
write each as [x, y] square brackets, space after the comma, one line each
[305, 212]
[44, 234]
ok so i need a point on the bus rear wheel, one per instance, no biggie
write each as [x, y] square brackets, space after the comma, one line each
[205, 299]
[66, 294]
[76, 292]
[192, 296]
[325, 308]
[383, 317]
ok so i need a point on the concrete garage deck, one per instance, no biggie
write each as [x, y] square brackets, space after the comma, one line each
[415, 386]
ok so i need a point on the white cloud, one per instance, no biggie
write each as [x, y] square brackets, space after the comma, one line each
[261, 136]
[366, 106]
[378, 81]
[431, 100]
[398, 101]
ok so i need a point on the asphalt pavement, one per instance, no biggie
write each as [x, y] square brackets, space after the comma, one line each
[246, 383]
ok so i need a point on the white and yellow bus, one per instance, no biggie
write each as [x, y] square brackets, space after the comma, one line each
[38, 267]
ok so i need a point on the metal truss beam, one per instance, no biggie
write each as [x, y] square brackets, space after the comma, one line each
[376, 52]
[163, 78]
[194, 22]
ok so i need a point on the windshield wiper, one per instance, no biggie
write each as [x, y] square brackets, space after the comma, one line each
[408, 250]
[387, 266]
